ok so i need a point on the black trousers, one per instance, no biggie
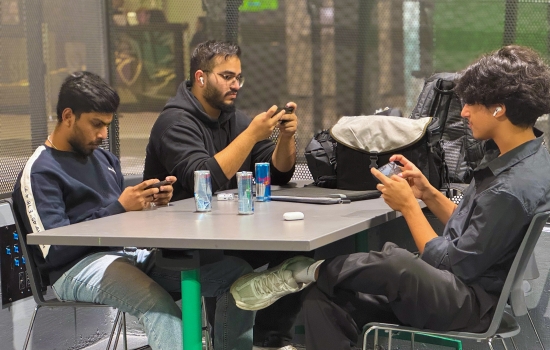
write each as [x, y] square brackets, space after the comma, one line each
[391, 286]
[273, 325]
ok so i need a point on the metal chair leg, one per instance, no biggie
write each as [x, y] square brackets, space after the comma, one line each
[504, 343]
[513, 343]
[31, 325]
[117, 317]
[412, 341]
[389, 339]
[124, 335]
[490, 343]
[205, 327]
[535, 329]
[119, 329]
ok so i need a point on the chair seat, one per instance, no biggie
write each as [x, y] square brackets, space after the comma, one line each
[509, 327]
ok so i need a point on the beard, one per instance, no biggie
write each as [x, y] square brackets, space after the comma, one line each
[215, 98]
[83, 150]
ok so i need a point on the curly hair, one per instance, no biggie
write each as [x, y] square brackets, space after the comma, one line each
[204, 54]
[514, 76]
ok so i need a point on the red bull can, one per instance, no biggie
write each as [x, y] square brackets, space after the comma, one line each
[246, 200]
[263, 182]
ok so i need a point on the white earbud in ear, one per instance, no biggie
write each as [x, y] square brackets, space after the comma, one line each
[498, 109]
[202, 80]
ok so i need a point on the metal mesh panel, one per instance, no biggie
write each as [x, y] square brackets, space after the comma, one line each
[41, 42]
[345, 57]
[332, 57]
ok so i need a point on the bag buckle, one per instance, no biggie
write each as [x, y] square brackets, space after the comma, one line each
[373, 160]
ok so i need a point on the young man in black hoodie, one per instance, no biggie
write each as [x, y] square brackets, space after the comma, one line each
[200, 129]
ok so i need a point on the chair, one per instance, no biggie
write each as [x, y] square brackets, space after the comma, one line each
[503, 324]
[36, 287]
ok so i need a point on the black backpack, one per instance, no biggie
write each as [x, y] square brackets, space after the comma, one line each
[461, 152]
[320, 155]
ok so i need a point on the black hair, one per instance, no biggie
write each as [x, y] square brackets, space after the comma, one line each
[86, 92]
[514, 76]
[205, 53]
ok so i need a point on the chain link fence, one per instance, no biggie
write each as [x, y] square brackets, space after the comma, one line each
[331, 57]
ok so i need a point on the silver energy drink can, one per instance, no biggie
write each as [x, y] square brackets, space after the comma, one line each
[263, 182]
[246, 200]
[203, 190]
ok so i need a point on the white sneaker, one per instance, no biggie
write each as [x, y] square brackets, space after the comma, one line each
[288, 347]
[258, 290]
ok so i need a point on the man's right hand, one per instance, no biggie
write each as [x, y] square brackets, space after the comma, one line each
[418, 182]
[263, 124]
[137, 197]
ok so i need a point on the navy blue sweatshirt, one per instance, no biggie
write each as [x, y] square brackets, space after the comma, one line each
[59, 188]
[185, 139]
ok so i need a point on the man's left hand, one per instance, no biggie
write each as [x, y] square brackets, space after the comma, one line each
[166, 191]
[289, 122]
[396, 191]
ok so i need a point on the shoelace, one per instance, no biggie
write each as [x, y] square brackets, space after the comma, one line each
[269, 283]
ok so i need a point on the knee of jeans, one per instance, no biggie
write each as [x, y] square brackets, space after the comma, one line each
[162, 303]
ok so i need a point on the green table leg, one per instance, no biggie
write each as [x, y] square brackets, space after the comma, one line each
[191, 326]
[362, 242]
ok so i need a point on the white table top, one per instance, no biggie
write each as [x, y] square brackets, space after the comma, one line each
[180, 226]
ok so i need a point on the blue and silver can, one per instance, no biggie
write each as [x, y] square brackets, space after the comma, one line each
[263, 182]
[203, 190]
[246, 200]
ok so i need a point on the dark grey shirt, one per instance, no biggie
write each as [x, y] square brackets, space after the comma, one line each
[484, 232]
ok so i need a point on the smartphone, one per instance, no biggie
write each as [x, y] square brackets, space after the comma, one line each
[390, 169]
[288, 110]
[158, 184]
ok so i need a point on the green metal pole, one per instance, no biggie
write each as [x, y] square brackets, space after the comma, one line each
[191, 326]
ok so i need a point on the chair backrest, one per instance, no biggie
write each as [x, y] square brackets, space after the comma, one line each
[32, 269]
[514, 279]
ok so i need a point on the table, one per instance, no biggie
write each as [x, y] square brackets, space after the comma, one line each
[180, 226]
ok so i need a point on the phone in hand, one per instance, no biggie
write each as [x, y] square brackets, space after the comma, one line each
[390, 169]
[158, 184]
[288, 110]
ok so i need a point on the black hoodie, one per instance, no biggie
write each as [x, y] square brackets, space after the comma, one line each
[185, 139]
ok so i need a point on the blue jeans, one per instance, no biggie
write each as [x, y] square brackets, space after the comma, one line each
[142, 290]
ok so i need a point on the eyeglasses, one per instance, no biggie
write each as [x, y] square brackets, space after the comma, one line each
[230, 78]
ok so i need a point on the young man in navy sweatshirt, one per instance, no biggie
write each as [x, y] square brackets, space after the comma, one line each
[70, 179]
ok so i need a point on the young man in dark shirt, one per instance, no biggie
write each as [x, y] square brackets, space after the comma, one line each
[201, 129]
[70, 179]
[456, 281]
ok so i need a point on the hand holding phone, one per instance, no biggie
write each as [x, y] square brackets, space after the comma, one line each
[288, 110]
[390, 169]
[158, 184]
